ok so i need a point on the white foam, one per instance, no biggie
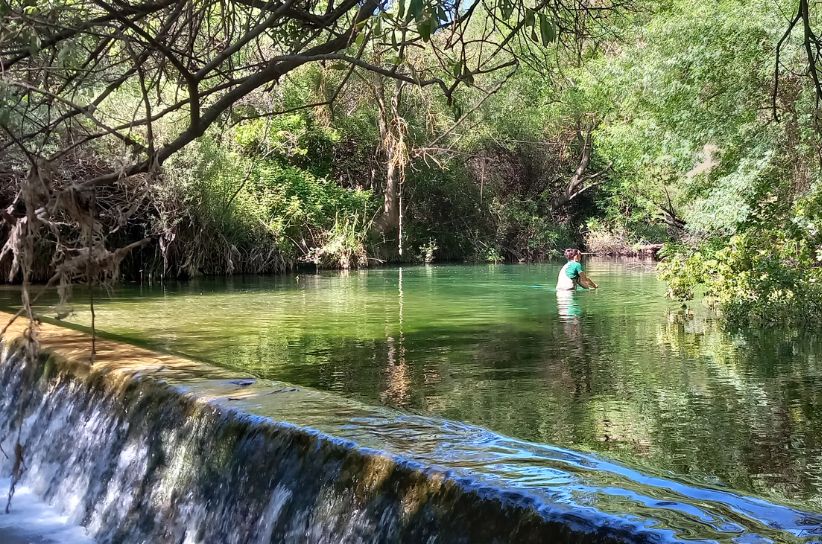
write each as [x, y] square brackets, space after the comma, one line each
[32, 520]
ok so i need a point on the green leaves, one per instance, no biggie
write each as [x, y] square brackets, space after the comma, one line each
[457, 68]
[462, 72]
[359, 40]
[416, 10]
[425, 28]
[424, 16]
[506, 8]
[541, 27]
[546, 29]
[34, 43]
[530, 18]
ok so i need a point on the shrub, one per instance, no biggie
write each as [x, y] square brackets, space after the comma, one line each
[769, 272]
[525, 232]
[223, 212]
[342, 246]
[427, 251]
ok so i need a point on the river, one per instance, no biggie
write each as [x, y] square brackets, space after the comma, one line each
[620, 371]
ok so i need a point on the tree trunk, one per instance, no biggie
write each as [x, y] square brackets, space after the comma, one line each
[391, 209]
[577, 184]
[392, 139]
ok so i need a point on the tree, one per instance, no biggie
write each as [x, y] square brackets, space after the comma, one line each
[96, 95]
[812, 45]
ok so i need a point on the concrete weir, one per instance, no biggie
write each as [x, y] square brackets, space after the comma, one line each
[149, 447]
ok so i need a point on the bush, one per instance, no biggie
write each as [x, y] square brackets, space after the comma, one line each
[223, 212]
[615, 238]
[605, 239]
[342, 246]
[289, 139]
[770, 272]
[525, 232]
[427, 251]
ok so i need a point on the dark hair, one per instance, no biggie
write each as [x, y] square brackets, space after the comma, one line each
[571, 253]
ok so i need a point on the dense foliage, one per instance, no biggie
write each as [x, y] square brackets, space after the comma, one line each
[701, 145]
[431, 133]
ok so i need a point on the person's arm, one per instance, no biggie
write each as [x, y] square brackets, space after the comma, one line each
[587, 282]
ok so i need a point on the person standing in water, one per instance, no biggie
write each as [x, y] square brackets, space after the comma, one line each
[572, 274]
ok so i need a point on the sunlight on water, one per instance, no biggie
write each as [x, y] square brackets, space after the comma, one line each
[620, 371]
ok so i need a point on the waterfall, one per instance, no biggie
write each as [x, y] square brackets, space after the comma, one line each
[173, 455]
[140, 462]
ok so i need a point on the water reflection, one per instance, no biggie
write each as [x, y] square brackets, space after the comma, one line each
[620, 372]
[567, 306]
[398, 381]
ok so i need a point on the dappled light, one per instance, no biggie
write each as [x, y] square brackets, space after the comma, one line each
[355, 271]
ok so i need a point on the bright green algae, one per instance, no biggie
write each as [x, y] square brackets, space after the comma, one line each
[620, 371]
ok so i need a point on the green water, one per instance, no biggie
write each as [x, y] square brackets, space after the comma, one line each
[620, 371]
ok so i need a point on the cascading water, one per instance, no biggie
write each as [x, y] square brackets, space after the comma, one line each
[143, 462]
[188, 454]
